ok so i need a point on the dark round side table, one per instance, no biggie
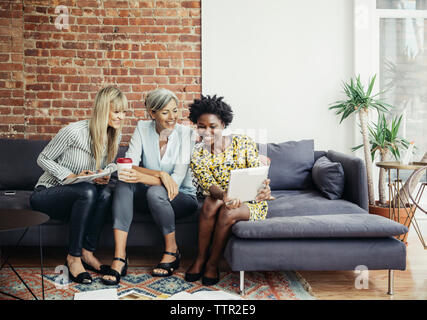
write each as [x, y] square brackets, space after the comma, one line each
[12, 219]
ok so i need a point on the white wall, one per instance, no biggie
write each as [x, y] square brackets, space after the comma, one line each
[279, 64]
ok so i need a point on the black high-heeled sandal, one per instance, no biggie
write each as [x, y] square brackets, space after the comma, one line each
[83, 277]
[104, 269]
[115, 274]
[170, 267]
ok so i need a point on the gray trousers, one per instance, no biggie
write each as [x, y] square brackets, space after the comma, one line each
[152, 199]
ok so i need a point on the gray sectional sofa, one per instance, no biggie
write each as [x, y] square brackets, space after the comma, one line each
[307, 231]
[304, 230]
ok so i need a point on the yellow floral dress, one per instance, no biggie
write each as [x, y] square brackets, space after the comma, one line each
[214, 169]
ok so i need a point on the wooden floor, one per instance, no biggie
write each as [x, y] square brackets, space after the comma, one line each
[408, 284]
[329, 285]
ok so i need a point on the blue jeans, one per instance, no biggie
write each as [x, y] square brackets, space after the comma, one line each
[153, 199]
[84, 204]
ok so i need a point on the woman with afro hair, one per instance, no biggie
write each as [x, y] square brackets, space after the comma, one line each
[211, 163]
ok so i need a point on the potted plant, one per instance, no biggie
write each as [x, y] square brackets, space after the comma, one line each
[386, 142]
[362, 102]
[380, 138]
[384, 139]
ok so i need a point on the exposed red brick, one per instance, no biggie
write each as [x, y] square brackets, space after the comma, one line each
[49, 77]
[38, 86]
[191, 4]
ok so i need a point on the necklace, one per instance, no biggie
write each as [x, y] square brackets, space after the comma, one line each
[163, 149]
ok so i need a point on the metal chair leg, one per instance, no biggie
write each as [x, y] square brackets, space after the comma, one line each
[242, 283]
[390, 282]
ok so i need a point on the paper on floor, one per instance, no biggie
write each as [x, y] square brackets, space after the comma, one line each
[205, 295]
[104, 294]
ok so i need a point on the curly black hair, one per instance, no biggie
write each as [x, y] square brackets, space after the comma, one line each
[213, 105]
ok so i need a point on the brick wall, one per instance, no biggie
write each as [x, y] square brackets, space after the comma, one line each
[49, 77]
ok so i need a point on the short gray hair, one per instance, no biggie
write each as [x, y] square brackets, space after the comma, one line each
[157, 99]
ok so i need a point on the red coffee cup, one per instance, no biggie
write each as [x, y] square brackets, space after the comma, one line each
[123, 163]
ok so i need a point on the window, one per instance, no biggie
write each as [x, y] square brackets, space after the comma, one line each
[403, 74]
[402, 4]
[391, 41]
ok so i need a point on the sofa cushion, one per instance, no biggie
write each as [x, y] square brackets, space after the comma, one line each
[315, 254]
[356, 183]
[291, 164]
[121, 152]
[290, 203]
[320, 226]
[318, 154]
[20, 154]
[328, 177]
[18, 200]
[23, 154]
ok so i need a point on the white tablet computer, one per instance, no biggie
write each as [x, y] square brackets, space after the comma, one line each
[88, 178]
[245, 183]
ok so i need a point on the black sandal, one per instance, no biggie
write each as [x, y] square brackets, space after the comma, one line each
[83, 277]
[170, 267]
[114, 273]
[104, 269]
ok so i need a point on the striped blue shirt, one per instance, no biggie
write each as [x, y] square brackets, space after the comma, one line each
[69, 152]
[144, 149]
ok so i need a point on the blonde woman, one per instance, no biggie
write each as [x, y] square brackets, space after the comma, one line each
[82, 148]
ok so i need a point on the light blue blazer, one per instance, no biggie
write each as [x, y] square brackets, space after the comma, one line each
[144, 151]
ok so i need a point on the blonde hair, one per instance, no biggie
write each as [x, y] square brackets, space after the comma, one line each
[108, 98]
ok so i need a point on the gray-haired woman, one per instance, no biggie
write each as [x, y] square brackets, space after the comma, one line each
[159, 182]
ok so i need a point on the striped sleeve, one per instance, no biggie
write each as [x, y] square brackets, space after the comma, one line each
[46, 160]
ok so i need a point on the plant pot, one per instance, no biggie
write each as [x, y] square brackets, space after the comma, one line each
[400, 216]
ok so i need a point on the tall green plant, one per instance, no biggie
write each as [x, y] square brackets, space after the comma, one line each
[384, 138]
[361, 102]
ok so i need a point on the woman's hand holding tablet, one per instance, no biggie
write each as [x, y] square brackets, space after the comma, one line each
[231, 203]
[86, 176]
[249, 184]
[265, 193]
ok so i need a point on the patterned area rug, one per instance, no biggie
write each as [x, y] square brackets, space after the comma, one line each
[258, 285]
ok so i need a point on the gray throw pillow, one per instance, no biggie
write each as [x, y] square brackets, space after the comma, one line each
[291, 164]
[328, 177]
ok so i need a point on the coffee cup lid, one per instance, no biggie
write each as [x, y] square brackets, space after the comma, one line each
[124, 160]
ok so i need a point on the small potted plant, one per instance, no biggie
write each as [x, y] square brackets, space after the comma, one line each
[384, 139]
[386, 142]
